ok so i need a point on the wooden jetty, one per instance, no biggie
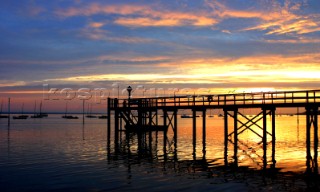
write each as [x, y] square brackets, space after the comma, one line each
[140, 115]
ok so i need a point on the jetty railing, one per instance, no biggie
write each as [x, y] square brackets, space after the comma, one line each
[285, 98]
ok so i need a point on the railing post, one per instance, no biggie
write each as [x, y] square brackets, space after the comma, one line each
[244, 98]
[194, 100]
[285, 97]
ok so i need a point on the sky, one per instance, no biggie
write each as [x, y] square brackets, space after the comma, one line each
[176, 46]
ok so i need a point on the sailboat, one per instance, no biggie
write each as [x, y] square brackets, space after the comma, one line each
[68, 116]
[40, 114]
[103, 117]
[89, 112]
[185, 116]
[21, 116]
[2, 116]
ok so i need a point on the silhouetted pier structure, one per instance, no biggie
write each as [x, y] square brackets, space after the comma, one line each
[141, 116]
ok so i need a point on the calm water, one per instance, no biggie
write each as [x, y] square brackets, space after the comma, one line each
[55, 154]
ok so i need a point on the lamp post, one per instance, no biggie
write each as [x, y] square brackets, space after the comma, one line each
[129, 89]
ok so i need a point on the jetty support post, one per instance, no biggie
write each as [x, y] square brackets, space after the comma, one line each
[116, 124]
[140, 123]
[194, 132]
[108, 126]
[308, 135]
[175, 133]
[165, 114]
[264, 137]
[315, 139]
[150, 131]
[204, 133]
[225, 137]
[273, 122]
[9, 111]
[235, 127]
[312, 120]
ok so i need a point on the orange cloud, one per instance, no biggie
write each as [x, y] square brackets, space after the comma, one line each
[275, 18]
[144, 22]
[141, 16]
[5, 83]
[96, 33]
[96, 24]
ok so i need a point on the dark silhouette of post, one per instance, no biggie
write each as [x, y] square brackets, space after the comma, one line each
[165, 114]
[175, 136]
[235, 152]
[116, 125]
[308, 145]
[194, 132]
[264, 138]
[225, 137]
[82, 111]
[204, 133]
[315, 140]
[9, 112]
[273, 116]
[109, 126]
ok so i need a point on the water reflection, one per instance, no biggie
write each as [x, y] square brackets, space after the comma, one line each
[288, 150]
[56, 154]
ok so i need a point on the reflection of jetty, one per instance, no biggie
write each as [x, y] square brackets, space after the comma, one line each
[140, 115]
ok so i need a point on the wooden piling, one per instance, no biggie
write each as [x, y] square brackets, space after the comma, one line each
[175, 132]
[264, 138]
[194, 132]
[9, 111]
[235, 153]
[308, 127]
[108, 125]
[273, 116]
[225, 137]
[315, 140]
[204, 133]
